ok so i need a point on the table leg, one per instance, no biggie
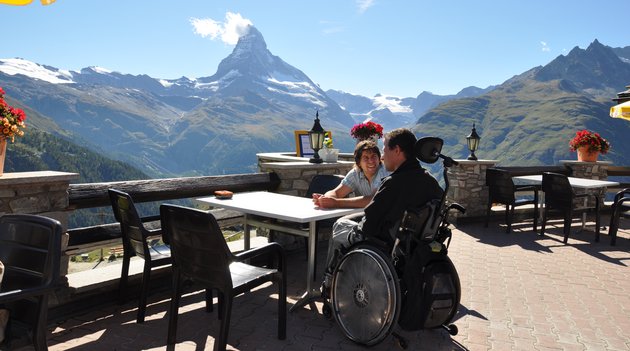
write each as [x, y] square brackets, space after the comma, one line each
[246, 232]
[310, 294]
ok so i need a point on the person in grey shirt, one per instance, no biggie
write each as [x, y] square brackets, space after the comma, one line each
[363, 180]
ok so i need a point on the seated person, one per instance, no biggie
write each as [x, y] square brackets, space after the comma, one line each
[409, 186]
[362, 180]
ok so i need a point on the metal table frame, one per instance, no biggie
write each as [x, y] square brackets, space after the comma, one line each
[288, 208]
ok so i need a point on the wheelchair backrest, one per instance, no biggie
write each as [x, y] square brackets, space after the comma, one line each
[422, 223]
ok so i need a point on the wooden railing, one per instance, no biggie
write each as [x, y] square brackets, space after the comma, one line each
[95, 195]
[619, 171]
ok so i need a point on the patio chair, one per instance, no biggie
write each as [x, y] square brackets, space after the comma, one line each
[501, 189]
[620, 208]
[560, 196]
[200, 254]
[30, 249]
[137, 241]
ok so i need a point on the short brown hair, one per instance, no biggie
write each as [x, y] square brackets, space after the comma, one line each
[362, 146]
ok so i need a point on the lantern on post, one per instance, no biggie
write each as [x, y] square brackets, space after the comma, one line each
[316, 137]
[473, 143]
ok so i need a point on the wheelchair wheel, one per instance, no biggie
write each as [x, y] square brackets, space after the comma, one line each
[365, 295]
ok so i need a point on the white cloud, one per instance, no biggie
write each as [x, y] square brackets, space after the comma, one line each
[229, 31]
[545, 48]
[364, 5]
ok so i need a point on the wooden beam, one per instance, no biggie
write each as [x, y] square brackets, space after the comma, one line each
[95, 194]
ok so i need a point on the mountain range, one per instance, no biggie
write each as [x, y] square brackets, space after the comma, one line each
[255, 100]
[530, 118]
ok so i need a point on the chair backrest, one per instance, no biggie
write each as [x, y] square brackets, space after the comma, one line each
[500, 185]
[134, 234]
[30, 249]
[321, 183]
[198, 248]
[558, 190]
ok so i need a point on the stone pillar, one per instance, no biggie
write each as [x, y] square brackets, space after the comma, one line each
[468, 187]
[42, 193]
[589, 170]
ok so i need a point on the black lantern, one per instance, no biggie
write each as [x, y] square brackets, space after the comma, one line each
[316, 136]
[473, 143]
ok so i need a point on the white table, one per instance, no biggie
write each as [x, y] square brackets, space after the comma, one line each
[581, 183]
[578, 183]
[283, 207]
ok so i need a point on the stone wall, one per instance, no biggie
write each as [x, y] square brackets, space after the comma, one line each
[296, 172]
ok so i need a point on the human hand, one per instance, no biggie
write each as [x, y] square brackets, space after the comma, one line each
[326, 202]
[316, 197]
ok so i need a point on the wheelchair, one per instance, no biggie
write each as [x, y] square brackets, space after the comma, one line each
[371, 282]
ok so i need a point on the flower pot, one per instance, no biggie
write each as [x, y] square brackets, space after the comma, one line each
[329, 155]
[373, 138]
[585, 155]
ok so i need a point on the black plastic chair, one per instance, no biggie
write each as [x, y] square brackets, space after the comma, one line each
[201, 254]
[501, 189]
[136, 242]
[620, 208]
[560, 196]
[30, 249]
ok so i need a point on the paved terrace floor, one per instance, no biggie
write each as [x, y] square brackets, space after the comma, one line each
[519, 292]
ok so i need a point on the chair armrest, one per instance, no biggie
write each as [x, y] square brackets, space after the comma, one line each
[19, 294]
[622, 193]
[622, 202]
[527, 187]
[270, 248]
[150, 218]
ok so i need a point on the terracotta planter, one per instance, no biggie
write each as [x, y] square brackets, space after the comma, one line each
[587, 156]
[3, 153]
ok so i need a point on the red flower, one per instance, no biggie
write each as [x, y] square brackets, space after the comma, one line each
[593, 140]
[367, 130]
[11, 120]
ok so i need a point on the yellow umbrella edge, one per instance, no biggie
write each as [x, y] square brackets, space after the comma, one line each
[621, 111]
[24, 2]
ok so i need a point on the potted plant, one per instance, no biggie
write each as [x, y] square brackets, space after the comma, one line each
[329, 153]
[588, 145]
[367, 130]
[11, 125]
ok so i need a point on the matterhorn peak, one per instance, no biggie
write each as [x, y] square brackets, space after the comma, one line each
[251, 41]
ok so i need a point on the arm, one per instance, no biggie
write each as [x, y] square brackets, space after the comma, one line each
[337, 198]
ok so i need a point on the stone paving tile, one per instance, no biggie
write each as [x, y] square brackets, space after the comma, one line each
[520, 291]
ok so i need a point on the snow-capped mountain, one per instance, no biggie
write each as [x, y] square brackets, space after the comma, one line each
[208, 125]
[392, 111]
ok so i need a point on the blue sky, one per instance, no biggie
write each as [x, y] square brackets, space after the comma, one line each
[393, 47]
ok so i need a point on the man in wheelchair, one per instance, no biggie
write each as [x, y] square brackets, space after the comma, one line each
[409, 186]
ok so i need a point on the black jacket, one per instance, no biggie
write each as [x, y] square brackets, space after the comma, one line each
[409, 186]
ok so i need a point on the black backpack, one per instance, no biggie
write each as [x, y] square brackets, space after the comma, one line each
[430, 288]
